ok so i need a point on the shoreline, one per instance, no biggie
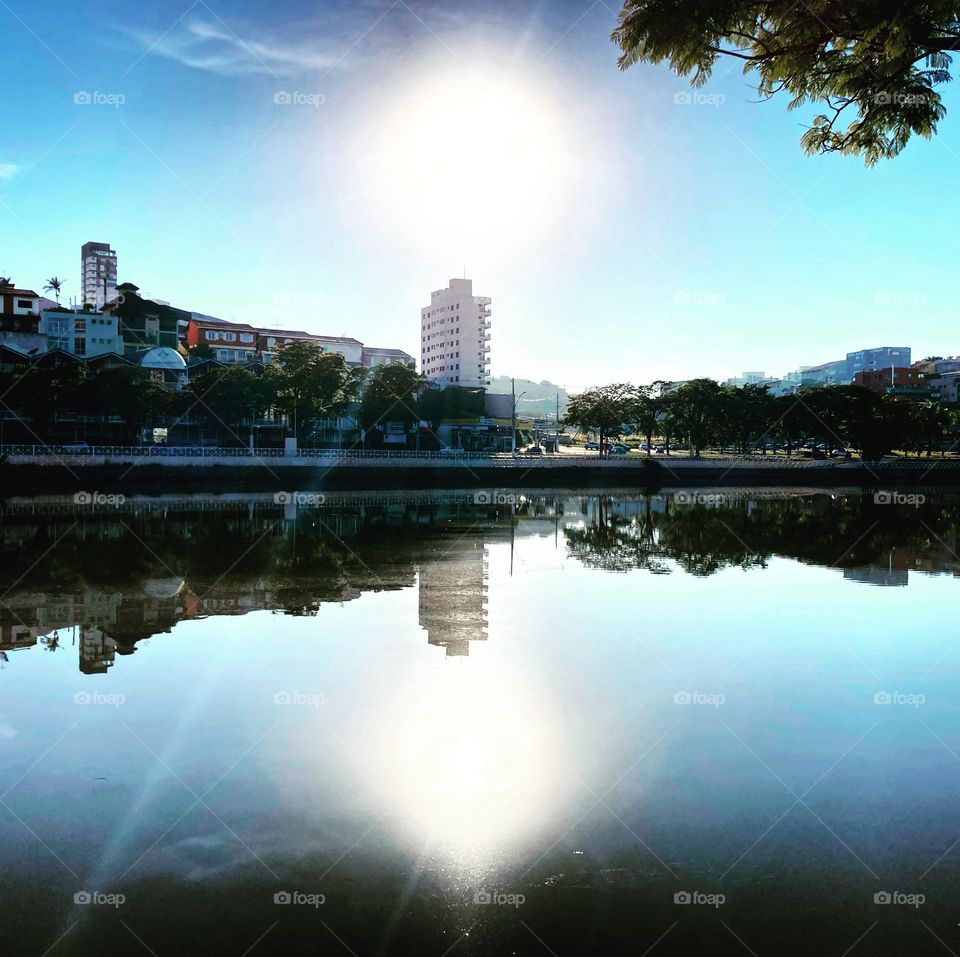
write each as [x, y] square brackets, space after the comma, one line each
[78, 473]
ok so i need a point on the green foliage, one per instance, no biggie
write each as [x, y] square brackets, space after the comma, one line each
[227, 397]
[310, 384]
[605, 409]
[390, 395]
[873, 65]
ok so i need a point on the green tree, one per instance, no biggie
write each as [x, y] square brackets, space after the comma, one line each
[310, 384]
[130, 393]
[54, 285]
[228, 397]
[696, 412]
[390, 394]
[874, 66]
[604, 409]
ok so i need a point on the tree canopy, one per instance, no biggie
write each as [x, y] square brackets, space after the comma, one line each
[873, 65]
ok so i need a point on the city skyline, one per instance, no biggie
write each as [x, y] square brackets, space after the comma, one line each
[716, 222]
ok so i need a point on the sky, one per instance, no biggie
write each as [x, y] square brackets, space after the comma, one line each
[325, 165]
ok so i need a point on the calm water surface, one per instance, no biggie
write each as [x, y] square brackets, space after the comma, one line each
[427, 724]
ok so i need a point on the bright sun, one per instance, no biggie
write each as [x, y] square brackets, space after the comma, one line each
[469, 163]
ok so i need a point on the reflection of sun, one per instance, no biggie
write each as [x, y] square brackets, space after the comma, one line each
[469, 160]
[469, 763]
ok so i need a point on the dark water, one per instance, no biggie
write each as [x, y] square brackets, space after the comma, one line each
[436, 724]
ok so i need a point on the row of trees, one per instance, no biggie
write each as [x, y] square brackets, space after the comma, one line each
[702, 413]
[303, 385]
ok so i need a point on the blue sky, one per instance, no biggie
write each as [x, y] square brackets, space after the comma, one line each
[621, 234]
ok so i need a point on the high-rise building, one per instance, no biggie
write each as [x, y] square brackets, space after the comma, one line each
[870, 360]
[455, 336]
[98, 274]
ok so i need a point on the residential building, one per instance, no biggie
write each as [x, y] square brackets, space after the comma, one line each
[869, 360]
[375, 356]
[98, 274]
[453, 590]
[946, 386]
[898, 379]
[749, 378]
[144, 323]
[84, 334]
[939, 366]
[270, 341]
[455, 336]
[230, 341]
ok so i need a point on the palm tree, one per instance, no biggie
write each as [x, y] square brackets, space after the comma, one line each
[5, 281]
[54, 285]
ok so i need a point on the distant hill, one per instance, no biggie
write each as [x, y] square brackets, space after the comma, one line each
[540, 400]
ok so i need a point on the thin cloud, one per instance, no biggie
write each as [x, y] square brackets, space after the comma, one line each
[8, 170]
[209, 46]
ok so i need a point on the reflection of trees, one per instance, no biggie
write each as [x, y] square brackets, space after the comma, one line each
[834, 531]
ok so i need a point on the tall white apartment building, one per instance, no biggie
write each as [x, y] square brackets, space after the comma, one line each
[455, 336]
[98, 274]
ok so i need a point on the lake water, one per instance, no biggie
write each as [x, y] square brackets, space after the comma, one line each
[463, 723]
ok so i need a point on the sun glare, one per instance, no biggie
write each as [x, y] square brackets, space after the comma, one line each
[470, 162]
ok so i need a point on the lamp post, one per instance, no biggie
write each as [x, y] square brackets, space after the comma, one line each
[513, 430]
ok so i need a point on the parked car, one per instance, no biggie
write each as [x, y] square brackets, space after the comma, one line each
[532, 450]
[592, 446]
[659, 449]
[619, 449]
[644, 447]
[840, 454]
[815, 453]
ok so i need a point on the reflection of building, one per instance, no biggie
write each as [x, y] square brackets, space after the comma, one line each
[97, 651]
[877, 575]
[453, 596]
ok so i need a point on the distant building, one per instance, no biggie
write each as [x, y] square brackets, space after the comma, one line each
[373, 356]
[869, 360]
[230, 341]
[83, 334]
[455, 336]
[98, 274]
[898, 379]
[453, 596]
[946, 386]
[271, 341]
[144, 323]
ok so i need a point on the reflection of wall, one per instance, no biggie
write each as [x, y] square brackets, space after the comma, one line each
[97, 651]
[877, 575]
[453, 596]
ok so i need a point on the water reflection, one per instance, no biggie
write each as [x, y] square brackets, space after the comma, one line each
[101, 580]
